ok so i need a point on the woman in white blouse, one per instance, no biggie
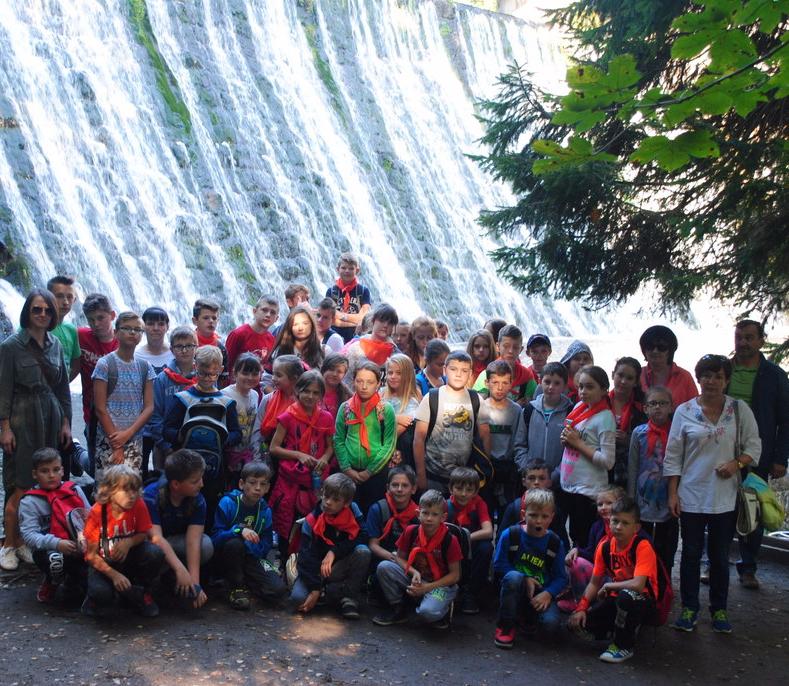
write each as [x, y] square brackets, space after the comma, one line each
[712, 437]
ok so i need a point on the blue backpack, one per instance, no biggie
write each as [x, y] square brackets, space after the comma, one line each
[204, 429]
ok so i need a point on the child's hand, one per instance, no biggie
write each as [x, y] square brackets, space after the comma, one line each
[7, 441]
[326, 565]
[397, 458]
[571, 437]
[417, 589]
[603, 592]
[184, 586]
[621, 436]
[117, 455]
[307, 460]
[673, 505]
[200, 599]
[571, 557]
[320, 466]
[68, 547]
[120, 582]
[416, 579]
[577, 619]
[119, 439]
[542, 601]
[250, 535]
[120, 550]
[310, 601]
[363, 476]
[531, 587]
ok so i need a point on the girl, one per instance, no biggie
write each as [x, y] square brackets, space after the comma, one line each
[432, 376]
[578, 355]
[423, 329]
[334, 368]
[286, 371]
[482, 349]
[377, 346]
[402, 393]
[646, 483]
[302, 446]
[246, 372]
[365, 436]
[589, 438]
[299, 336]
[626, 399]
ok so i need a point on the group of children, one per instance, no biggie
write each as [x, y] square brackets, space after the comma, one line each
[186, 441]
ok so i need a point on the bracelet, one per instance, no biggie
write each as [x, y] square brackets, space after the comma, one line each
[741, 465]
[583, 605]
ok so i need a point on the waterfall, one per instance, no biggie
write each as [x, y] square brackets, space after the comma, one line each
[166, 150]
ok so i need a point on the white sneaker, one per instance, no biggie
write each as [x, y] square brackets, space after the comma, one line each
[24, 554]
[8, 559]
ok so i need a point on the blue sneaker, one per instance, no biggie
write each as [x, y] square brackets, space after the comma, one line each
[686, 620]
[720, 622]
[615, 654]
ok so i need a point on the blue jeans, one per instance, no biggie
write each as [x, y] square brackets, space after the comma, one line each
[432, 607]
[514, 604]
[720, 530]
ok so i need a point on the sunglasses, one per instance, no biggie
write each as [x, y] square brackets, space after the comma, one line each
[38, 309]
[660, 347]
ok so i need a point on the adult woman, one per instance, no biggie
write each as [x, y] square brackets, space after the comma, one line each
[712, 437]
[299, 336]
[35, 407]
[658, 345]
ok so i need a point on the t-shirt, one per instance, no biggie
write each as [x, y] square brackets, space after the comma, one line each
[503, 425]
[479, 514]
[679, 382]
[449, 445]
[333, 340]
[67, 335]
[129, 523]
[410, 538]
[623, 568]
[375, 524]
[740, 384]
[359, 297]
[158, 362]
[125, 403]
[294, 429]
[244, 339]
[92, 350]
[581, 475]
[247, 407]
[173, 520]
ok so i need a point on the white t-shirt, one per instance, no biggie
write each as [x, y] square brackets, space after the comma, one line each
[578, 474]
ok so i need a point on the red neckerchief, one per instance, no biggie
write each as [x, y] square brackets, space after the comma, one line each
[361, 410]
[572, 390]
[403, 516]
[345, 291]
[176, 378]
[427, 547]
[521, 374]
[463, 514]
[375, 350]
[655, 433]
[477, 369]
[580, 413]
[277, 404]
[342, 521]
[627, 412]
[311, 422]
[212, 340]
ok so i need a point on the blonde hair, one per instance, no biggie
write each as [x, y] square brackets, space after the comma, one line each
[114, 479]
[616, 491]
[408, 387]
[207, 355]
[538, 499]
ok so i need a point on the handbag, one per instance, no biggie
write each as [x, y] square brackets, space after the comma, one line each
[749, 509]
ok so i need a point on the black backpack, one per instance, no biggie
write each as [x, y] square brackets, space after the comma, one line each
[551, 550]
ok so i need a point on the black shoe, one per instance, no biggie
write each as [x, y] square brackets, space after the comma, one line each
[349, 608]
[394, 615]
[469, 604]
[442, 624]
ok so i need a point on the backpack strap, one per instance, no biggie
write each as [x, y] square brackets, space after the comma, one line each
[514, 539]
[554, 543]
[104, 539]
[385, 512]
[474, 396]
[432, 399]
[527, 412]
[607, 553]
[112, 373]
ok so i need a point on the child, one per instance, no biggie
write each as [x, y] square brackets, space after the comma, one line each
[333, 554]
[178, 515]
[482, 349]
[646, 483]
[442, 329]
[120, 549]
[401, 335]
[246, 373]
[299, 336]
[423, 329]
[286, 371]
[243, 538]
[95, 341]
[523, 382]
[432, 375]
[334, 369]
[578, 355]
[123, 397]
[44, 524]
[538, 348]
[588, 438]
[296, 294]
[205, 317]
[351, 299]
[454, 423]
[426, 568]
[402, 393]
[377, 347]
[392, 514]
[365, 436]
[324, 318]
[623, 604]
[626, 399]
[154, 351]
[254, 337]
[302, 446]
[62, 287]
[529, 560]
[468, 510]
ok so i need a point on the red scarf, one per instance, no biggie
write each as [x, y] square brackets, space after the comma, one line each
[522, 375]
[311, 422]
[572, 390]
[404, 517]
[477, 369]
[580, 413]
[627, 412]
[277, 404]
[427, 547]
[463, 514]
[344, 520]
[212, 340]
[361, 410]
[176, 378]
[375, 350]
[345, 291]
[655, 433]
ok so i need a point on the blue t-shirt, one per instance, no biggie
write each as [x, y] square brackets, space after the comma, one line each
[173, 520]
[375, 524]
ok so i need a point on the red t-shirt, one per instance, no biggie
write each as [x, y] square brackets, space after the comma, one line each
[91, 349]
[623, 569]
[244, 339]
[408, 539]
[130, 523]
[478, 512]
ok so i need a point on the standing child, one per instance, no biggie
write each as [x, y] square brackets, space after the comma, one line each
[626, 404]
[351, 299]
[155, 351]
[123, 397]
[254, 337]
[334, 369]
[529, 560]
[402, 393]
[423, 329]
[538, 348]
[523, 381]
[432, 376]
[377, 346]
[392, 514]
[205, 317]
[482, 349]
[577, 356]
[243, 538]
[62, 287]
[244, 391]
[286, 371]
[324, 318]
[302, 448]
[333, 555]
[299, 336]
[401, 335]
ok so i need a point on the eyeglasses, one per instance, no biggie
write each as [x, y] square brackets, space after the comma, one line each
[38, 309]
[130, 329]
[657, 403]
[660, 347]
[203, 374]
[184, 348]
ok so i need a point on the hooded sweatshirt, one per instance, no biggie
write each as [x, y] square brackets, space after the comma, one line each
[233, 516]
[539, 436]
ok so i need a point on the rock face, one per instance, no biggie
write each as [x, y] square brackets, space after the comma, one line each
[166, 150]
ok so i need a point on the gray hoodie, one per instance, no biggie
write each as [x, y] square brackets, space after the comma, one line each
[34, 516]
[540, 436]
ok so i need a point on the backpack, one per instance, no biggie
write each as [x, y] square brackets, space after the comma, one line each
[664, 594]
[204, 429]
[63, 501]
[462, 535]
[478, 459]
[551, 551]
[386, 514]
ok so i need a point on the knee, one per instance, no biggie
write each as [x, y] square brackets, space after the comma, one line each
[430, 611]
[387, 570]
[206, 550]
[361, 556]
[512, 582]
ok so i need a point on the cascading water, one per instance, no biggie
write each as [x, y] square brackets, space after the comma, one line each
[166, 150]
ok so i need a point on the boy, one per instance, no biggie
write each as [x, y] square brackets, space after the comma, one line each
[389, 517]
[44, 525]
[324, 317]
[530, 561]
[449, 443]
[538, 348]
[295, 294]
[426, 568]
[123, 397]
[95, 341]
[623, 604]
[243, 536]
[333, 553]
[351, 299]
[62, 287]
[178, 510]
[254, 337]
[205, 317]
[401, 335]
[155, 351]
[377, 346]
[510, 345]
[468, 510]
[443, 329]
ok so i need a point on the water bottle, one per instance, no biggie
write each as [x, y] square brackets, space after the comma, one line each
[316, 481]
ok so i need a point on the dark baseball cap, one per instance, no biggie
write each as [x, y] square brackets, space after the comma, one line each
[538, 339]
